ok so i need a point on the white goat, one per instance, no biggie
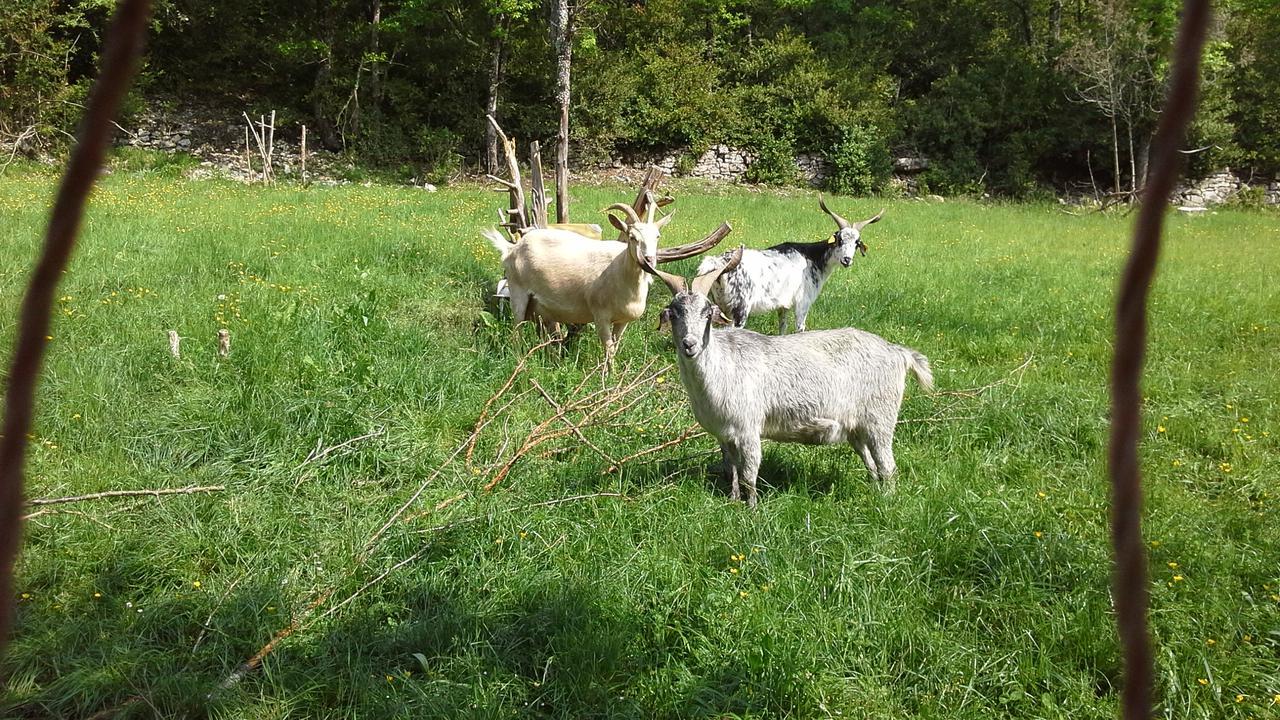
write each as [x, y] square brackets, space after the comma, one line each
[816, 388]
[561, 276]
[786, 277]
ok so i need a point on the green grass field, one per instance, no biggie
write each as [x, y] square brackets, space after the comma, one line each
[980, 589]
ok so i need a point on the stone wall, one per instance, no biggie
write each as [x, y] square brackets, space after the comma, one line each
[719, 162]
[1220, 187]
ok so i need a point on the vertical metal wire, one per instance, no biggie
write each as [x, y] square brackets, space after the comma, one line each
[119, 63]
[1130, 578]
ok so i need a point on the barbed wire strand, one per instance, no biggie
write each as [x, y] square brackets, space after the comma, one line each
[119, 64]
[1130, 571]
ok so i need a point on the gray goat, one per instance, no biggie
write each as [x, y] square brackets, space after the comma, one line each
[786, 277]
[817, 388]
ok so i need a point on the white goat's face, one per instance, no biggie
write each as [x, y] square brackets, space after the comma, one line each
[642, 240]
[849, 244]
[690, 315]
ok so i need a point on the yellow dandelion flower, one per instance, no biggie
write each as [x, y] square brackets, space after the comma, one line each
[1244, 419]
[1155, 543]
[26, 596]
[1248, 638]
[1039, 534]
[1203, 681]
[1276, 699]
[733, 571]
[1173, 566]
[1159, 428]
[196, 584]
[75, 416]
[1041, 494]
[1224, 467]
[743, 593]
[523, 534]
[1210, 642]
[1239, 698]
[97, 595]
[1177, 463]
[48, 337]
[1177, 578]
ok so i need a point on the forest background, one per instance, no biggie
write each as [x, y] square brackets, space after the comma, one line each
[1012, 97]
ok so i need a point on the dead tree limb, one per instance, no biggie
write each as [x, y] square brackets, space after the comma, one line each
[119, 62]
[517, 215]
[538, 213]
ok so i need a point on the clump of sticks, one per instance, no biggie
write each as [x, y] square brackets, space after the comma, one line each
[583, 418]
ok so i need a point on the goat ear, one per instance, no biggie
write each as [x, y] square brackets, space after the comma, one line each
[614, 221]
[665, 219]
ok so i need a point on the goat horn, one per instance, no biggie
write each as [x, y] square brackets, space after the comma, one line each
[630, 211]
[688, 250]
[675, 283]
[703, 283]
[840, 222]
[868, 221]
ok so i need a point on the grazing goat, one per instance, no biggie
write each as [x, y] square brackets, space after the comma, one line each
[786, 277]
[817, 388]
[563, 277]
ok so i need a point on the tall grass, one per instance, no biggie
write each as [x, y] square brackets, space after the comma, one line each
[979, 589]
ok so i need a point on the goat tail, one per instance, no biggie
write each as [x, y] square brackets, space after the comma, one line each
[918, 365]
[499, 243]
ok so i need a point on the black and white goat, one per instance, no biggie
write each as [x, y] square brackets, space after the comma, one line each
[787, 277]
[817, 388]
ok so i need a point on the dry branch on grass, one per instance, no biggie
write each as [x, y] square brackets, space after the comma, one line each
[941, 414]
[580, 410]
[319, 454]
[189, 490]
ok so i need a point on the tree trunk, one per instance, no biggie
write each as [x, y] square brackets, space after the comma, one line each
[375, 80]
[497, 48]
[1115, 153]
[1144, 155]
[562, 26]
[1133, 161]
[1055, 20]
[324, 125]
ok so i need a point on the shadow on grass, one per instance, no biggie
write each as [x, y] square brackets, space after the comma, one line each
[542, 647]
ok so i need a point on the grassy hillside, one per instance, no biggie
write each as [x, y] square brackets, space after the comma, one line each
[979, 589]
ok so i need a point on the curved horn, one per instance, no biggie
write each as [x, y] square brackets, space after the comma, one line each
[840, 222]
[675, 283]
[861, 224]
[688, 250]
[703, 283]
[630, 211]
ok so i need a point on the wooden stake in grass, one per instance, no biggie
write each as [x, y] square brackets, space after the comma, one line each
[304, 154]
[174, 342]
[224, 342]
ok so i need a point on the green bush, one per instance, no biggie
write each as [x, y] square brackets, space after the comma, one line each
[775, 162]
[860, 162]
